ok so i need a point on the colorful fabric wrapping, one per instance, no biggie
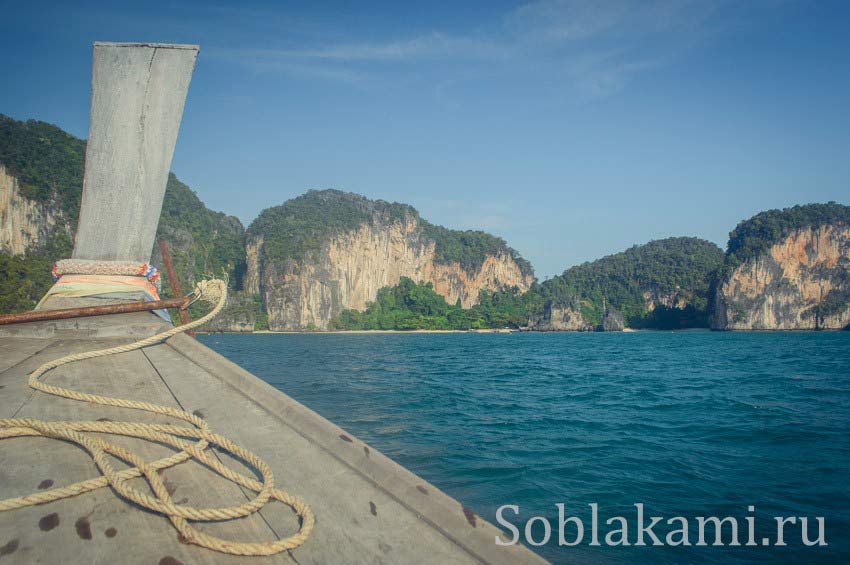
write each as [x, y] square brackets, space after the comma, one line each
[123, 287]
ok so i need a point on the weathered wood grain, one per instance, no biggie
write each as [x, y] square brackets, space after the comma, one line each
[15, 392]
[138, 93]
[13, 351]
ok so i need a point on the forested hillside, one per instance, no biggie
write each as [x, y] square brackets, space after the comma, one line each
[662, 284]
[301, 225]
[203, 242]
[47, 161]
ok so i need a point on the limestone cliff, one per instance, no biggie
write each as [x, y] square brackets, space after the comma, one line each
[568, 317]
[24, 223]
[560, 317]
[252, 261]
[612, 321]
[801, 282]
[676, 298]
[346, 267]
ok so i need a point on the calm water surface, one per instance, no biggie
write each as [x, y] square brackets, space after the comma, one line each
[689, 423]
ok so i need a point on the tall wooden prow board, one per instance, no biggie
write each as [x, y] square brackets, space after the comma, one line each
[137, 98]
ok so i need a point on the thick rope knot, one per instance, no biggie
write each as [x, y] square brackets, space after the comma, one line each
[213, 291]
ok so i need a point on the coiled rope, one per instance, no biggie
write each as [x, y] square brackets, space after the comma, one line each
[215, 292]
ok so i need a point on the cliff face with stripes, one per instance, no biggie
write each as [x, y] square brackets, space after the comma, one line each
[25, 223]
[801, 282]
[347, 268]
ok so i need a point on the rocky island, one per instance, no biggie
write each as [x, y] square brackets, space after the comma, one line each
[329, 251]
[663, 284]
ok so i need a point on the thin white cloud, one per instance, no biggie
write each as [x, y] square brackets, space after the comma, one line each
[266, 61]
[596, 46]
[560, 21]
[435, 45]
[556, 21]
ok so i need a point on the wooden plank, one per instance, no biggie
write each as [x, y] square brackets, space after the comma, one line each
[15, 390]
[138, 93]
[82, 525]
[138, 324]
[15, 350]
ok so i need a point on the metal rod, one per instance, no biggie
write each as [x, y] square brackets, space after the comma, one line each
[173, 281]
[64, 313]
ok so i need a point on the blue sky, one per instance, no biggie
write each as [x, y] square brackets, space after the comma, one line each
[571, 128]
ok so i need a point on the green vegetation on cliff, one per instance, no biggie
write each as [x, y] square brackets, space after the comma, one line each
[416, 306]
[673, 269]
[757, 235]
[674, 275]
[47, 162]
[203, 242]
[302, 225]
[243, 313]
[24, 279]
[469, 247]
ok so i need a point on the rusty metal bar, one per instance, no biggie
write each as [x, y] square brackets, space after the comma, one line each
[173, 281]
[64, 313]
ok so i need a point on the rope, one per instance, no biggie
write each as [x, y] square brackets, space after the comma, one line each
[212, 291]
[93, 267]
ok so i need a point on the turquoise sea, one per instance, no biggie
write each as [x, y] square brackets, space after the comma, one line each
[687, 423]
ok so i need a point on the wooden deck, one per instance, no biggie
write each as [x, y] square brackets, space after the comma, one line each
[368, 508]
